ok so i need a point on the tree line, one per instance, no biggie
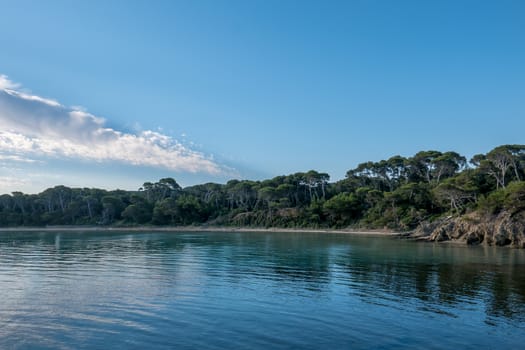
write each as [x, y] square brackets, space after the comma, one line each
[397, 193]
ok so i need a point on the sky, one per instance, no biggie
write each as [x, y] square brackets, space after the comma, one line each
[112, 94]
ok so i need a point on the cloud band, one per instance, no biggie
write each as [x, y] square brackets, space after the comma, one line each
[33, 125]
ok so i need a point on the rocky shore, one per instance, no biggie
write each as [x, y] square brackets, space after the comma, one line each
[504, 229]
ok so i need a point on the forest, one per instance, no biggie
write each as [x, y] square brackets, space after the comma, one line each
[398, 193]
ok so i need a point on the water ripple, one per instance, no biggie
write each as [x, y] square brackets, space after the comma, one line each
[250, 290]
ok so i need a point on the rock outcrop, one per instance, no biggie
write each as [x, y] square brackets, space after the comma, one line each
[504, 229]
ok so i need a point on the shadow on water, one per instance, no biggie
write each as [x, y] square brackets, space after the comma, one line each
[441, 276]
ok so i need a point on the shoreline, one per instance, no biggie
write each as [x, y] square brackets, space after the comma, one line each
[177, 229]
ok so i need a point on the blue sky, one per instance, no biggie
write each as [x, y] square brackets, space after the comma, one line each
[211, 90]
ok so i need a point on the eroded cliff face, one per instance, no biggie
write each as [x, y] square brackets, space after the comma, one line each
[503, 229]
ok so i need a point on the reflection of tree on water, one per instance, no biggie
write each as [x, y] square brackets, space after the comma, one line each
[290, 260]
[508, 295]
[500, 288]
[439, 277]
[299, 259]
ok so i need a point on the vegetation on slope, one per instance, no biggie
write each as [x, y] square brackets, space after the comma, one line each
[397, 193]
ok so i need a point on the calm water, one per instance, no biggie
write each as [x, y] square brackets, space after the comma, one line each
[257, 291]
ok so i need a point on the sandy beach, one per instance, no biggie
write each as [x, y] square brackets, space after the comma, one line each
[176, 229]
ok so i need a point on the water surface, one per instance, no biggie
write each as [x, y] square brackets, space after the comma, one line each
[255, 290]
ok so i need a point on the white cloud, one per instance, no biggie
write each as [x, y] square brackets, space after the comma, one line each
[5, 83]
[29, 97]
[16, 158]
[8, 182]
[37, 126]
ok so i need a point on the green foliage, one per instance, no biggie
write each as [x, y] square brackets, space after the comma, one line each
[493, 202]
[190, 210]
[457, 192]
[511, 199]
[515, 197]
[165, 212]
[343, 209]
[397, 193]
[139, 211]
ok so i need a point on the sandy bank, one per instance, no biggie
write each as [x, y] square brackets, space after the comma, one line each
[193, 229]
